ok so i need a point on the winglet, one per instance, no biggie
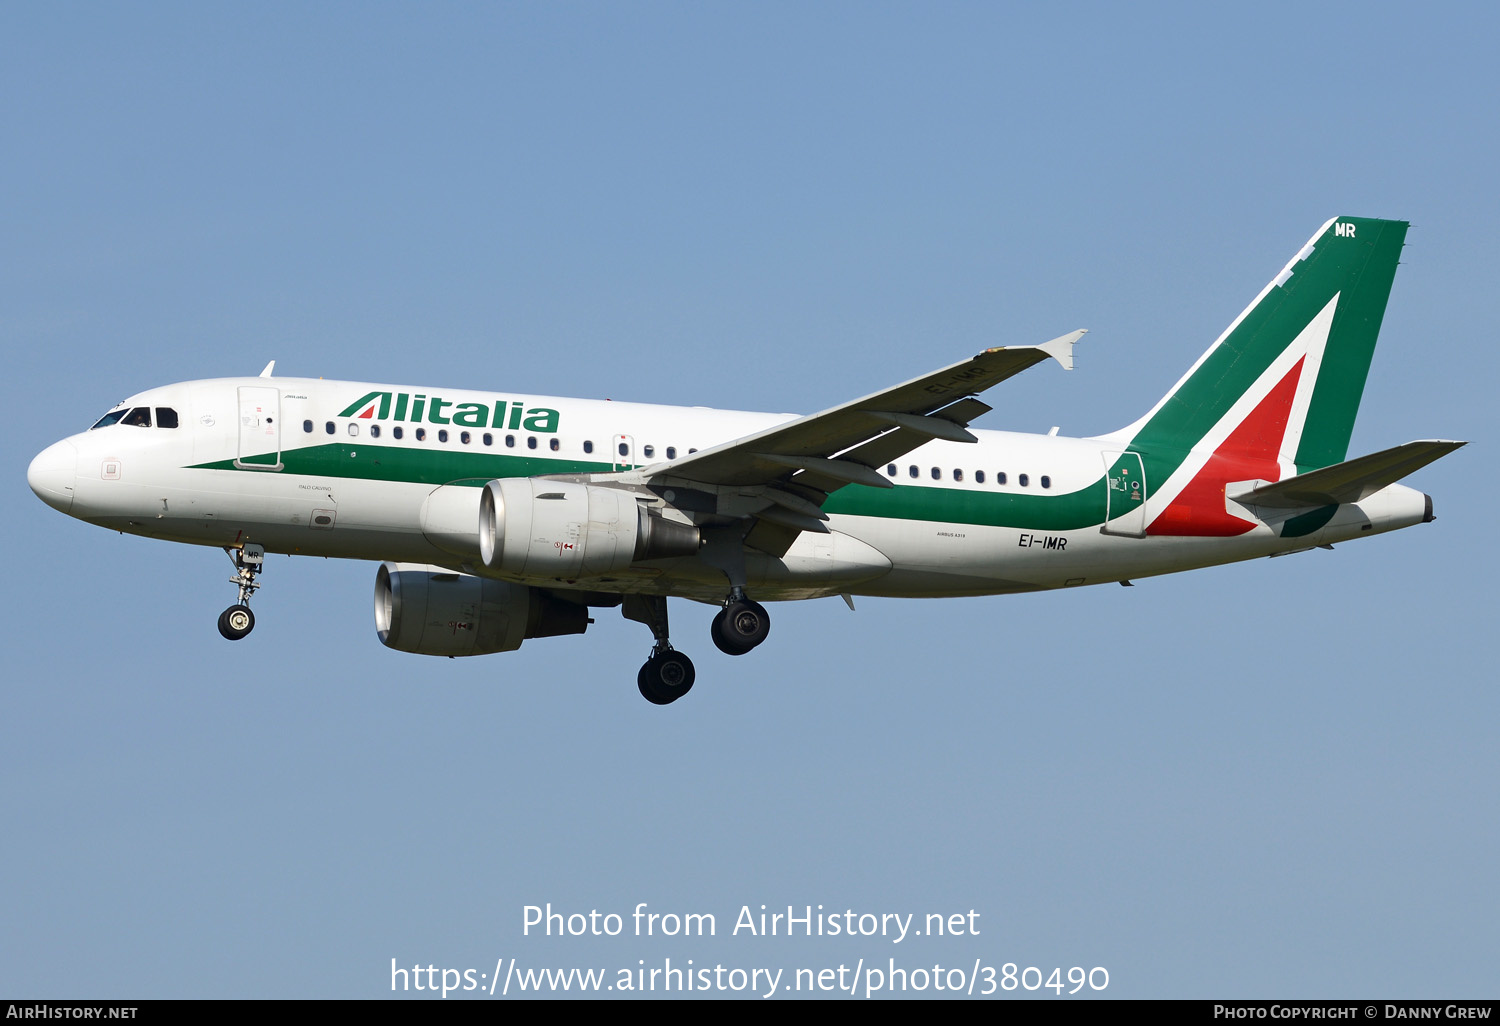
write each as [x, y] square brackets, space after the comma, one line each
[269, 367]
[1061, 348]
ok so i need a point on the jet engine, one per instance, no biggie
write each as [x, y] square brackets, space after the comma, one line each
[432, 611]
[534, 527]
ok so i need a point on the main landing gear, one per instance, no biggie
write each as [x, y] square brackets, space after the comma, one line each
[237, 621]
[741, 625]
[668, 674]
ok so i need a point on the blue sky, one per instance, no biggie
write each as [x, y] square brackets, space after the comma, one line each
[1266, 780]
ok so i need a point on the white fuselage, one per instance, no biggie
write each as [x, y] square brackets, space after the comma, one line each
[1012, 512]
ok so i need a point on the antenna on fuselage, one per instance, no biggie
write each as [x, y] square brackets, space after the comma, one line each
[269, 367]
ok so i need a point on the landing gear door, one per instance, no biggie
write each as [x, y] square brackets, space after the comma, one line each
[1124, 495]
[260, 428]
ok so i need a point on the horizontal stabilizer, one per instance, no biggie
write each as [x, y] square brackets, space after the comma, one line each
[1349, 481]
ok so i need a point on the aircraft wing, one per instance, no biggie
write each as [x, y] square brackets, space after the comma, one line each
[843, 445]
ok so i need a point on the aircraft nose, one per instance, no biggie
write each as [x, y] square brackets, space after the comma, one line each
[52, 473]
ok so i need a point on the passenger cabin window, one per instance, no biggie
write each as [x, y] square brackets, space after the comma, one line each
[442, 434]
[531, 441]
[1046, 481]
[307, 427]
[463, 437]
[396, 431]
[166, 417]
[421, 434]
[554, 445]
[891, 470]
[979, 477]
[138, 417]
[588, 446]
[1000, 478]
[374, 430]
[649, 451]
[328, 427]
[671, 452]
[353, 430]
[510, 441]
[112, 417]
[1024, 480]
[958, 475]
[912, 471]
[489, 439]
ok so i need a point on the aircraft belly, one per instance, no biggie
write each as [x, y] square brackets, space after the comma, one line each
[821, 560]
[936, 558]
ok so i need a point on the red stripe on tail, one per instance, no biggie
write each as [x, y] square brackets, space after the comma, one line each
[1249, 453]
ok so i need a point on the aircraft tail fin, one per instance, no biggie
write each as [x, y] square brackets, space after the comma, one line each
[1284, 381]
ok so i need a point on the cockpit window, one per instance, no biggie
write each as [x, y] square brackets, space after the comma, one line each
[112, 417]
[139, 416]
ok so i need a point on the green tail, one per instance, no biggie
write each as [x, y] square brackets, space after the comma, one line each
[1320, 317]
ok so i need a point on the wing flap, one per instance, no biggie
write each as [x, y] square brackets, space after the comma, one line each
[931, 427]
[964, 411]
[842, 471]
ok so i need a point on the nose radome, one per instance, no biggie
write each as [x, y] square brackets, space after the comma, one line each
[52, 473]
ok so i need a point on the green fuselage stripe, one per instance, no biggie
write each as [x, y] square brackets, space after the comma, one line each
[1063, 511]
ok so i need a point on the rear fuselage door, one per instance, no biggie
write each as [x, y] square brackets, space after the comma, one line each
[1125, 495]
[260, 428]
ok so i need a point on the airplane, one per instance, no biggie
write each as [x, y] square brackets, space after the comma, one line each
[501, 517]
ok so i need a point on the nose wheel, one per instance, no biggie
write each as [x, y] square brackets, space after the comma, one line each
[237, 621]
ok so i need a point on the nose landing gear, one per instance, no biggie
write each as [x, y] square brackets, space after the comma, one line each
[237, 621]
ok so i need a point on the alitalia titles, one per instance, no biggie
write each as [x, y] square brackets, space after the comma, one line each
[416, 407]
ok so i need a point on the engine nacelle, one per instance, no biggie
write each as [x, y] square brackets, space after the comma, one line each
[432, 611]
[566, 530]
